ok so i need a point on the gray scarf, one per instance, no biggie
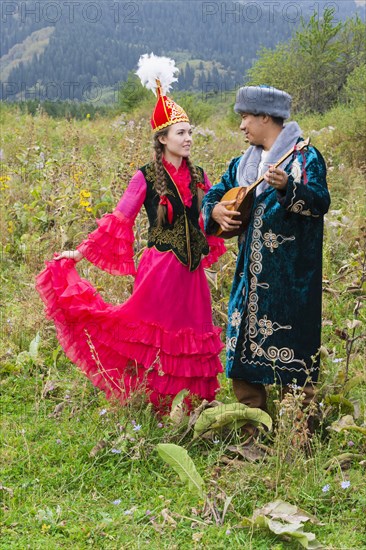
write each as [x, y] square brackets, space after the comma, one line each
[248, 166]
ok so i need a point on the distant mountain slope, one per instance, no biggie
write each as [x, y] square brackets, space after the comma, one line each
[95, 44]
[33, 45]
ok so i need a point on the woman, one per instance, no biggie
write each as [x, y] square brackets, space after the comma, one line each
[161, 340]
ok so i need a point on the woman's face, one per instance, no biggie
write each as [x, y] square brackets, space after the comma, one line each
[177, 142]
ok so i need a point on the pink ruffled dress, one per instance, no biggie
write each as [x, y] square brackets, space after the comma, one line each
[162, 339]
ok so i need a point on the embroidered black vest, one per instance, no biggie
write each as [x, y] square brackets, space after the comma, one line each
[183, 236]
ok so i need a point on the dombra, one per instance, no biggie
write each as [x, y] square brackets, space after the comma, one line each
[244, 197]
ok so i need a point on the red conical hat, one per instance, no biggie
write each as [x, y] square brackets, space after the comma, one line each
[166, 111]
[157, 74]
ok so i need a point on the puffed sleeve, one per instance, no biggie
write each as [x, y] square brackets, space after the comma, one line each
[110, 246]
[215, 194]
[216, 245]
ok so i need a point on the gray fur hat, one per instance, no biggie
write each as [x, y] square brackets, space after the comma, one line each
[263, 100]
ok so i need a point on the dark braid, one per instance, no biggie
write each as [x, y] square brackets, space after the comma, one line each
[195, 178]
[160, 182]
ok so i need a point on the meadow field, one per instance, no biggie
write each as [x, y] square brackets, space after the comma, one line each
[80, 472]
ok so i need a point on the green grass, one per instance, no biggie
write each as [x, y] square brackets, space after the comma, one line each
[56, 493]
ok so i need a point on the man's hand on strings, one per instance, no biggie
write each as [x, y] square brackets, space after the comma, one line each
[276, 177]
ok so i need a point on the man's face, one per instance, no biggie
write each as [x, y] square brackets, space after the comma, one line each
[254, 128]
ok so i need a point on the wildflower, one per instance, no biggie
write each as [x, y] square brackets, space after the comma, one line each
[84, 193]
[88, 209]
[216, 441]
[148, 512]
[326, 488]
[133, 422]
[228, 532]
[102, 412]
[117, 501]
[58, 441]
[137, 428]
[350, 443]
[160, 425]
[337, 360]
[127, 512]
[88, 115]
[116, 451]
[345, 484]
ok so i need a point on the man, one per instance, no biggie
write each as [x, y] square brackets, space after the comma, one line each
[274, 320]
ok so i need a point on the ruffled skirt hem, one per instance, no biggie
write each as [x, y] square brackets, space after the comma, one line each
[120, 356]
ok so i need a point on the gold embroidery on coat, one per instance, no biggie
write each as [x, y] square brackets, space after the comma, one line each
[272, 241]
[263, 327]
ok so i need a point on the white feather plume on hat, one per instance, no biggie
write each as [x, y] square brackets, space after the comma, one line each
[152, 68]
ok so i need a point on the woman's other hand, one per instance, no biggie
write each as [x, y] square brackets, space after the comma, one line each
[69, 255]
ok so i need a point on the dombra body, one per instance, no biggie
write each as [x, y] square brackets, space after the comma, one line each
[244, 197]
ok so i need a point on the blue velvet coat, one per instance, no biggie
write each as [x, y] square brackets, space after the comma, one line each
[274, 327]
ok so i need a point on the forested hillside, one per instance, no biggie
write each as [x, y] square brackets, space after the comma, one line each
[95, 44]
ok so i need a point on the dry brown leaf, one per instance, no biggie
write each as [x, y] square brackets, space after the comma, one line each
[353, 324]
[156, 526]
[168, 518]
[343, 334]
[57, 410]
[250, 452]
[6, 489]
[102, 444]
[177, 414]
[49, 387]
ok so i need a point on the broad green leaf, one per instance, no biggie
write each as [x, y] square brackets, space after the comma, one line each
[179, 398]
[284, 519]
[337, 400]
[353, 382]
[33, 347]
[177, 412]
[178, 458]
[341, 460]
[343, 422]
[280, 509]
[234, 415]
[346, 423]
[355, 429]
[211, 276]
[22, 358]
[55, 354]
